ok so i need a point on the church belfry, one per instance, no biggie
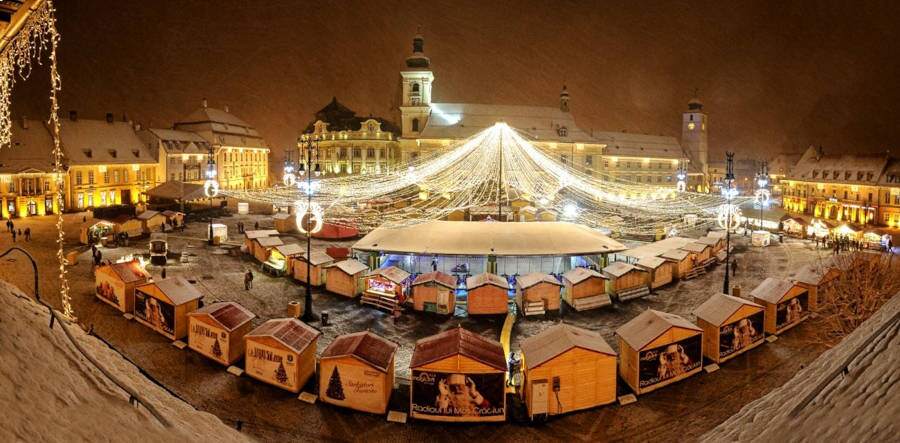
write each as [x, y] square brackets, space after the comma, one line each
[415, 104]
[694, 138]
[564, 100]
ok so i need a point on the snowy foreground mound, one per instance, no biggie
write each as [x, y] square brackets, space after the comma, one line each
[49, 392]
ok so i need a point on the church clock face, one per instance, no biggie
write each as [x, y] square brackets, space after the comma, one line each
[691, 126]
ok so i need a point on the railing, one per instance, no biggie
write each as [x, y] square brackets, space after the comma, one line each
[134, 396]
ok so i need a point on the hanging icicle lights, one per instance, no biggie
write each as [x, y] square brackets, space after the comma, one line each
[466, 175]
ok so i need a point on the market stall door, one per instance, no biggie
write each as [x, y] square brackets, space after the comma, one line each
[443, 302]
[430, 307]
[538, 397]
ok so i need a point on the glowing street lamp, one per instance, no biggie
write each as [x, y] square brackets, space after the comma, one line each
[729, 213]
[762, 195]
[211, 188]
[308, 212]
[681, 177]
[289, 178]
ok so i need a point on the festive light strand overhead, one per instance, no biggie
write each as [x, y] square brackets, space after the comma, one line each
[471, 175]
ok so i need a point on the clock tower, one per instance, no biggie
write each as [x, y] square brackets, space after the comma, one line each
[694, 141]
[416, 80]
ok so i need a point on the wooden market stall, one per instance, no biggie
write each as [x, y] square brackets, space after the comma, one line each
[566, 369]
[657, 349]
[681, 259]
[818, 279]
[731, 326]
[585, 289]
[786, 303]
[627, 281]
[458, 376]
[174, 218]
[249, 236]
[217, 331]
[318, 265]
[715, 244]
[151, 221]
[537, 293]
[263, 247]
[487, 294]
[282, 352]
[96, 233]
[357, 371]
[345, 277]
[386, 288]
[164, 305]
[281, 257]
[434, 292]
[794, 226]
[661, 270]
[702, 253]
[115, 283]
[284, 222]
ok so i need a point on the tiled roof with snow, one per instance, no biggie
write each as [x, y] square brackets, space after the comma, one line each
[30, 151]
[98, 142]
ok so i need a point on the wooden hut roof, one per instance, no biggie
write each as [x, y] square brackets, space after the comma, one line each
[717, 234]
[129, 272]
[260, 233]
[391, 273]
[318, 258]
[436, 277]
[268, 242]
[649, 325]
[458, 341]
[719, 307]
[528, 280]
[578, 275]
[486, 278]
[292, 333]
[559, 338]
[772, 289]
[228, 314]
[177, 289]
[651, 262]
[675, 254]
[282, 216]
[620, 268]
[171, 213]
[148, 214]
[366, 346]
[695, 247]
[814, 275]
[351, 266]
[710, 241]
[290, 249]
[658, 247]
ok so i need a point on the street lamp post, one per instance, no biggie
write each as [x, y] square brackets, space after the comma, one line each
[729, 196]
[310, 212]
[762, 190]
[211, 189]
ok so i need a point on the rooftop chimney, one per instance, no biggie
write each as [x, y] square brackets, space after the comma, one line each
[73, 115]
[109, 117]
[24, 122]
[226, 108]
[204, 102]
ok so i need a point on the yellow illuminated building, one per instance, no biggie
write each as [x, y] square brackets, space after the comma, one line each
[27, 184]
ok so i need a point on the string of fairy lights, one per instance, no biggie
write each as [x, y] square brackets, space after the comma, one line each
[497, 165]
[38, 35]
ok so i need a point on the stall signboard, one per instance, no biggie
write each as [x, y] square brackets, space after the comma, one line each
[157, 314]
[272, 364]
[111, 290]
[440, 394]
[211, 342]
[741, 334]
[792, 311]
[666, 362]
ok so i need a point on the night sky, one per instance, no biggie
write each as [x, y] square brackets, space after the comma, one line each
[774, 76]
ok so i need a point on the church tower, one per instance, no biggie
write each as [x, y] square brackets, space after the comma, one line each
[564, 100]
[415, 103]
[694, 140]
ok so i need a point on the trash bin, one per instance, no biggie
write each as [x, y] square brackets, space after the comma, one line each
[324, 318]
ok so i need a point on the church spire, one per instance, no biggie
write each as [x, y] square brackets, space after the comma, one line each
[418, 60]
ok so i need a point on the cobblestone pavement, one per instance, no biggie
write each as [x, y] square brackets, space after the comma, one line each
[681, 411]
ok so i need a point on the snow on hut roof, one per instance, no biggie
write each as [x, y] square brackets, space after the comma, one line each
[649, 325]
[260, 233]
[436, 277]
[176, 190]
[282, 216]
[98, 142]
[176, 289]
[290, 332]
[657, 248]
[129, 271]
[148, 214]
[675, 254]
[486, 278]
[351, 266]
[170, 213]
[717, 234]
[695, 247]
[458, 341]
[709, 241]
[391, 273]
[268, 242]
[498, 239]
[528, 280]
[772, 289]
[290, 249]
[318, 258]
[719, 307]
[651, 262]
[559, 338]
[620, 268]
[366, 346]
[811, 274]
[228, 314]
[577, 275]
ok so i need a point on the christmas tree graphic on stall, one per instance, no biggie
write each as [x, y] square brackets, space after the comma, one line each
[216, 349]
[335, 387]
[281, 374]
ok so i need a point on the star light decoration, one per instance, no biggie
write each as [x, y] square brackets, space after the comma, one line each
[466, 175]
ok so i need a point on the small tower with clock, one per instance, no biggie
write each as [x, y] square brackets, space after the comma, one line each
[416, 80]
[694, 138]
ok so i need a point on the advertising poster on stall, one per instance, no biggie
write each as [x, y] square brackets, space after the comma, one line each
[792, 311]
[272, 365]
[155, 313]
[666, 362]
[209, 341]
[741, 334]
[458, 396]
[110, 290]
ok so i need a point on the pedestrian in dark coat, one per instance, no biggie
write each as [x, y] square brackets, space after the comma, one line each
[14, 235]
[163, 273]
[27, 234]
[256, 226]
[248, 280]
[734, 268]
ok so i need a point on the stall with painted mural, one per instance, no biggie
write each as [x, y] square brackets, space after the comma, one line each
[115, 283]
[217, 331]
[163, 306]
[282, 353]
[731, 326]
[786, 303]
[357, 371]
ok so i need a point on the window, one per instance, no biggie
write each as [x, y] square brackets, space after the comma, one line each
[90, 199]
[563, 131]
[116, 176]
[91, 178]
[79, 200]
[357, 153]
[869, 177]
[845, 195]
[125, 176]
[415, 88]
[172, 177]
[589, 160]
[415, 125]
[564, 159]
[112, 197]
[78, 178]
[103, 199]
[370, 152]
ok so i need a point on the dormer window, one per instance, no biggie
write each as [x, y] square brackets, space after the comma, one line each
[113, 153]
[88, 153]
[815, 173]
[563, 131]
[869, 176]
[136, 153]
[859, 176]
[847, 175]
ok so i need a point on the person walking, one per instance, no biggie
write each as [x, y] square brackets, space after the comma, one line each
[248, 280]
[8, 225]
[14, 235]
[27, 234]
[256, 226]
[734, 267]
[163, 273]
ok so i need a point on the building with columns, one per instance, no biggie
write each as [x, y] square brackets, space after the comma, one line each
[27, 184]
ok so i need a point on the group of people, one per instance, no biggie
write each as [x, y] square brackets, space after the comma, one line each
[17, 232]
[241, 229]
[173, 225]
[96, 254]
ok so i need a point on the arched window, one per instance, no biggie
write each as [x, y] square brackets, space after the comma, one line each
[415, 88]
[415, 125]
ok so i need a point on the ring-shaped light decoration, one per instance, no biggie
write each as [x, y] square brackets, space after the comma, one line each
[211, 188]
[729, 213]
[316, 213]
[761, 198]
[289, 179]
[681, 186]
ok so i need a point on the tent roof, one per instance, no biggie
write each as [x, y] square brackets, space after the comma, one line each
[437, 277]
[719, 307]
[176, 190]
[366, 346]
[559, 338]
[483, 238]
[528, 280]
[578, 275]
[229, 314]
[486, 278]
[458, 341]
[649, 325]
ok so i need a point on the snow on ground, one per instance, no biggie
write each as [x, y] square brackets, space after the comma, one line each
[52, 393]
